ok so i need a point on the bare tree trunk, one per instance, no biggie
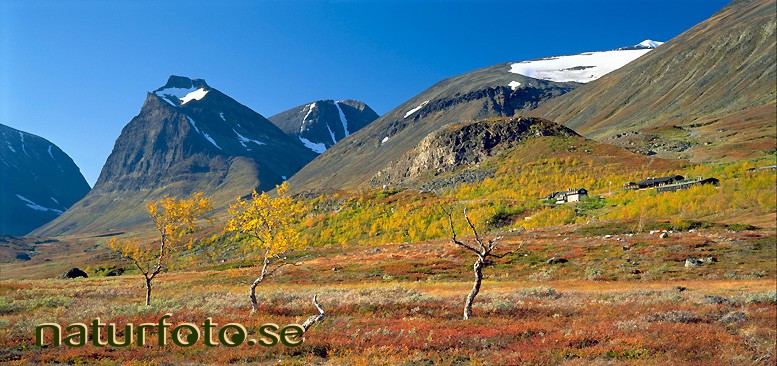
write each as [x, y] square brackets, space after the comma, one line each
[148, 291]
[252, 295]
[315, 318]
[478, 267]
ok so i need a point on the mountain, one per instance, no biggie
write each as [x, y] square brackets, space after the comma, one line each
[320, 124]
[706, 95]
[501, 90]
[38, 181]
[188, 137]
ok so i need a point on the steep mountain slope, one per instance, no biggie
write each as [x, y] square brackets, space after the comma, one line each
[496, 91]
[38, 181]
[188, 137]
[320, 124]
[708, 94]
[476, 95]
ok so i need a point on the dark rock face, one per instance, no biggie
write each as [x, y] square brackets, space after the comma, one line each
[38, 181]
[73, 273]
[321, 124]
[463, 177]
[465, 144]
[188, 137]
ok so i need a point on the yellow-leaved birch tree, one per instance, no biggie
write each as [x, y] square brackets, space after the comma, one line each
[174, 219]
[269, 223]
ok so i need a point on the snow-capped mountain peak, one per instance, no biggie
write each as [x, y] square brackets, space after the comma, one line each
[180, 90]
[649, 43]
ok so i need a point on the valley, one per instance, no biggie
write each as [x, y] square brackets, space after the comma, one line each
[606, 207]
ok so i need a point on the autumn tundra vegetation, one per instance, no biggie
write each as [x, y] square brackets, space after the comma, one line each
[391, 267]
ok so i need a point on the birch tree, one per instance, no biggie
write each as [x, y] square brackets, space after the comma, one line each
[484, 251]
[174, 219]
[268, 222]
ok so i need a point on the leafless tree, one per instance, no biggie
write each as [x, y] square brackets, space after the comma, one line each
[484, 251]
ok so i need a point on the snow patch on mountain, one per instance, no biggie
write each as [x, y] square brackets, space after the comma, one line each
[36, 206]
[221, 114]
[581, 68]
[207, 137]
[334, 140]
[514, 84]
[21, 136]
[244, 139]
[195, 95]
[342, 118]
[416, 109]
[193, 124]
[304, 119]
[182, 95]
[316, 147]
[50, 154]
[212, 141]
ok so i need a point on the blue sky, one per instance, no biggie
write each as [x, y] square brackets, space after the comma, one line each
[75, 72]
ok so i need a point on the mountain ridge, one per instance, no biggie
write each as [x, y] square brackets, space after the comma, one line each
[708, 94]
[39, 181]
[494, 91]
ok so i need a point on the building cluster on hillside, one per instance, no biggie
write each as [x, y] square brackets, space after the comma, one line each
[661, 184]
[768, 167]
[570, 195]
[670, 183]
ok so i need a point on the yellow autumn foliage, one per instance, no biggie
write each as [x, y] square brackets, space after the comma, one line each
[174, 218]
[269, 222]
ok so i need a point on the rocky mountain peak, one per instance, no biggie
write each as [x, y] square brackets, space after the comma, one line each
[188, 137]
[321, 124]
[183, 82]
[180, 90]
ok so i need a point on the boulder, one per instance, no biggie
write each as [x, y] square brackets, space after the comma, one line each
[72, 273]
[692, 262]
[555, 260]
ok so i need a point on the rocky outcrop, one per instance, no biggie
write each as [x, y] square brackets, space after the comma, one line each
[464, 144]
